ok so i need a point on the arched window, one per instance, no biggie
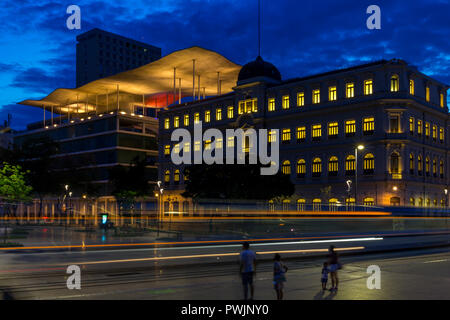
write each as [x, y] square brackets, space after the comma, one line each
[411, 163]
[333, 166]
[369, 163]
[350, 165]
[428, 202]
[419, 165]
[395, 201]
[286, 167]
[442, 203]
[427, 166]
[317, 204]
[441, 169]
[167, 176]
[434, 168]
[369, 201]
[301, 168]
[412, 202]
[411, 86]
[395, 163]
[301, 204]
[176, 176]
[394, 83]
[317, 167]
[420, 202]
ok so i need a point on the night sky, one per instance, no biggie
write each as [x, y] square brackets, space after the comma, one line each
[300, 37]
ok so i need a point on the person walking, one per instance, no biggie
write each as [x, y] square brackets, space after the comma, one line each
[279, 270]
[247, 269]
[334, 266]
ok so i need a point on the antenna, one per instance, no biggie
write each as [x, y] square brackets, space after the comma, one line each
[259, 27]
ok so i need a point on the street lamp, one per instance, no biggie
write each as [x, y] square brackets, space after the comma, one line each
[359, 147]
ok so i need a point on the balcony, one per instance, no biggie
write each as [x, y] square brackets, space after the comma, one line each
[396, 176]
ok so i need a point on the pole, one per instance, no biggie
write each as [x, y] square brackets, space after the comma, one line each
[198, 89]
[218, 83]
[356, 174]
[174, 84]
[179, 90]
[193, 79]
[118, 105]
[44, 115]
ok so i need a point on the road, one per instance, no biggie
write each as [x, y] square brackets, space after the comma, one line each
[209, 271]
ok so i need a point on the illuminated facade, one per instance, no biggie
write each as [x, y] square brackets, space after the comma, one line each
[398, 114]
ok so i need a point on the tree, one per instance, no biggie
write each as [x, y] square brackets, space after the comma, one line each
[13, 185]
[220, 181]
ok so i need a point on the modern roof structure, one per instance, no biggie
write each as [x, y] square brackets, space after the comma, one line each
[193, 71]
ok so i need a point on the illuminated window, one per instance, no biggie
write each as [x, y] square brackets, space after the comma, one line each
[272, 136]
[207, 144]
[197, 146]
[350, 165]
[241, 107]
[248, 106]
[333, 166]
[176, 148]
[369, 201]
[434, 132]
[394, 123]
[434, 167]
[176, 176]
[219, 114]
[427, 166]
[301, 134]
[419, 165]
[441, 100]
[316, 132]
[230, 142]
[316, 167]
[411, 125]
[369, 125]
[412, 202]
[186, 119]
[166, 123]
[427, 129]
[300, 99]
[420, 202]
[316, 95]
[286, 167]
[395, 163]
[208, 116]
[301, 204]
[350, 128]
[419, 127]
[176, 122]
[394, 83]
[285, 102]
[286, 135]
[368, 87]
[187, 147]
[427, 93]
[333, 129]
[230, 112]
[271, 104]
[167, 176]
[441, 135]
[411, 86]
[196, 117]
[349, 90]
[411, 163]
[167, 149]
[301, 168]
[219, 143]
[332, 94]
[369, 163]
[350, 202]
[332, 204]
[441, 169]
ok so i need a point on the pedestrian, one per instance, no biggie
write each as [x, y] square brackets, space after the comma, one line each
[247, 269]
[333, 261]
[279, 270]
[324, 278]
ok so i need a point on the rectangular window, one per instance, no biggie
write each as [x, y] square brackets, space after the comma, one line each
[186, 119]
[369, 125]
[271, 104]
[350, 128]
[285, 102]
[218, 114]
[167, 149]
[187, 147]
[166, 123]
[411, 86]
[427, 129]
[196, 117]
[286, 135]
[368, 87]
[241, 107]
[197, 146]
[316, 131]
[230, 112]
[301, 134]
[333, 129]
[176, 122]
[219, 143]
[411, 125]
[394, 123]
[176, 148]
[207, 144]
[316, 96]
[332, 94]
[272, 136]
[419, 127]
[434, 132]
[350, 90]
[427, 93]
[300, 99]
[441, 100]
[441, 134]
[208, 116]
[230, 142]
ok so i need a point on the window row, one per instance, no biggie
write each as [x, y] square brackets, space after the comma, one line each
[428, 165]
[424, 127]
[207, 117]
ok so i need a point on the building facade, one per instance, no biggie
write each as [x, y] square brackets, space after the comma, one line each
[101, 54]
[397, 115]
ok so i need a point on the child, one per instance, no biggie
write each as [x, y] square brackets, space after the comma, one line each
[279, 269]
[324, 278]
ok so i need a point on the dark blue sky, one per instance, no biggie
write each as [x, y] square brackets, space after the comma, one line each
[300, 37]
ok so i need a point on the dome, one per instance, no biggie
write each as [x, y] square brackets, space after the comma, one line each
[259, 68]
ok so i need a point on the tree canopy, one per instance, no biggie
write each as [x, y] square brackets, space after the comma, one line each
[13, 185]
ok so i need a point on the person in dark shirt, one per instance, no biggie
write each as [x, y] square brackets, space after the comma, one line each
[333, 262]
[324, 278]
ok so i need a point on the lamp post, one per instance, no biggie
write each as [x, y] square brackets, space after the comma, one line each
[359, 147]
